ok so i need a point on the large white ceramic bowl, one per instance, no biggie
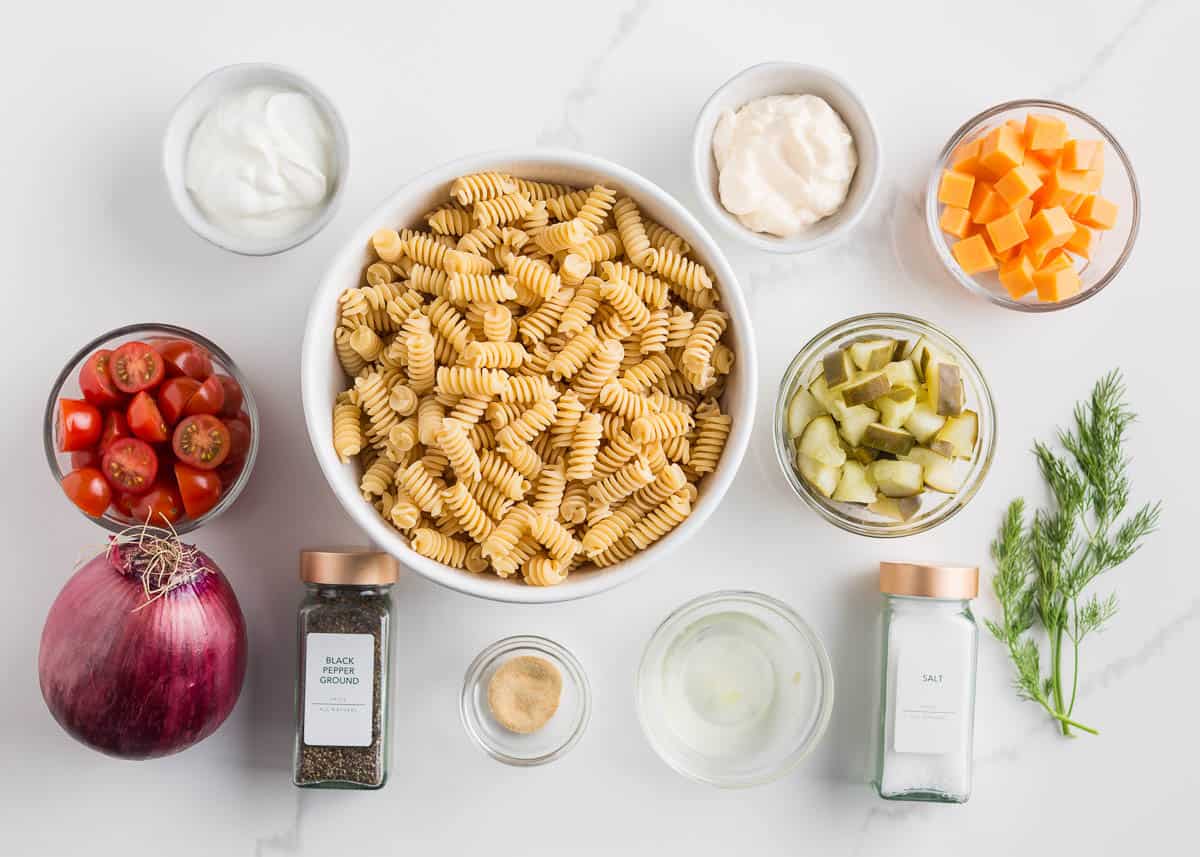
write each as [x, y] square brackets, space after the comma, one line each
[321, 377]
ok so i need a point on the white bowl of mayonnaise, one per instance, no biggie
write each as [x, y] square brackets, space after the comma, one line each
[255, 158]
[786, 157]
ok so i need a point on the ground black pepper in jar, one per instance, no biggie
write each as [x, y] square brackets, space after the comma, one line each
[343, 689]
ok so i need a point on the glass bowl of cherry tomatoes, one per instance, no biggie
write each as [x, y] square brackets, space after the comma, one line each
[151, 424]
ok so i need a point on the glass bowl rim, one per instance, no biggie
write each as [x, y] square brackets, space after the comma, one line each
[806, 632]
[562, 656]
[71, 367]
[987, 418]
[935, 232]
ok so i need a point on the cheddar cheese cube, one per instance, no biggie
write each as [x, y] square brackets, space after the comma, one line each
[1039, 167]
[1050, 228]
[1044, 132]
[1075, 204]
[956, 221]
[1025, 209]
[1002, 150]
[972, 255]
[1078, 154]
[1057, 284]
[1017, 277]
[1006, 231]
[966, 157]
[991, 206]
[1017, 184]
[1081, 242]
[955, 188]
[1097, 212]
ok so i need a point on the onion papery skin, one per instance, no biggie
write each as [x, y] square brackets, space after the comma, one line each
[138, 680]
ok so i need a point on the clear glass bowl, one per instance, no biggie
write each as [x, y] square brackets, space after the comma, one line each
[780, 734]
[1112, 246]
[552, 741]
[67, 385]
[935, 507]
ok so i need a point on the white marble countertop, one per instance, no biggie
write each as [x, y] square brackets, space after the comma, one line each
[92, 242]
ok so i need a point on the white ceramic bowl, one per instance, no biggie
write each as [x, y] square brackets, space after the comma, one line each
[789, 78]
[321, 376]
[192, 108]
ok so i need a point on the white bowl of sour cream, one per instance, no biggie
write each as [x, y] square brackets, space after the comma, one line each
[255, 158]
[786, 157]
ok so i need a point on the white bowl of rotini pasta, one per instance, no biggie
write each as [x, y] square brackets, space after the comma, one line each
[530, 375]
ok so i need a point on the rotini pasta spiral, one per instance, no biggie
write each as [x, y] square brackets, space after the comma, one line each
[527, 388]
[621, 400]
[578, 313]
[510, 481]
[572, 357]
[465, 380]
[601, 248]
[633, 234]
[539, 324]
[503, 539]
[661, 520]
[542, 570]
[655, 293]
[535, 275]
[562, 430]
[532, 422]
[480, 288]
[548, 495]
[596, 206]
[509, 208]
[585, 445]
[654, 335]
[453, 440]
[348, 436]
[713, 429]
[604, 534]
[480, 186]
[562, 236]
[387, 244]
[696, 360]
[565, 206]
[440, 548]
[682, 270]
[425, 491]
[601, 366]
[554, 537]
[662, 238]
[647, 373]
[497, 323]
[541, 191]
[475, 522]
[449, 221]
[660, 426]
[494, 355]
[625, 301]
[523, 458]
[619, 450]
[622, 482]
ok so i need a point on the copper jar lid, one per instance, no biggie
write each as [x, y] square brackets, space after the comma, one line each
[929, 580]
[348, 567]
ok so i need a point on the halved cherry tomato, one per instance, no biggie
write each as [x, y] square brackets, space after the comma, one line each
[96, 384]
[185, 358]
[233, 396]
[145, 421]
[209, 399]
[135, 366]
[79, 425]
[161, 504]
[173, 397]
[130, 465]
[88, 490]
[115, 428]
[85, 458]
[202, 441]
[239, 438]
[200, 489]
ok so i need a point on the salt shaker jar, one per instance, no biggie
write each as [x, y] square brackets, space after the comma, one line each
[343, 686]
[927, 708]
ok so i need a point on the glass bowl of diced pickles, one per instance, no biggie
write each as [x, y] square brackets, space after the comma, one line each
[885, 425]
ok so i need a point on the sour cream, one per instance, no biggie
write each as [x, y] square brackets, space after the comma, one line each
[261, 162]
[785, 161]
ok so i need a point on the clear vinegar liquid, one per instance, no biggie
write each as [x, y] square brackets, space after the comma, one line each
[731, 685]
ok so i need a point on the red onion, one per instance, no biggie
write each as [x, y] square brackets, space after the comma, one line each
[144, 651]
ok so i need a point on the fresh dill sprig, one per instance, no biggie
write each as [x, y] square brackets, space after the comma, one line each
[1044, 565]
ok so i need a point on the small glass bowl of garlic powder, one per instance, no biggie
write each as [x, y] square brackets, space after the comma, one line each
[734, 689]
[786, 157]
[255, 159]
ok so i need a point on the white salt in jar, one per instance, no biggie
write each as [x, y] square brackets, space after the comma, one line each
[927, 710]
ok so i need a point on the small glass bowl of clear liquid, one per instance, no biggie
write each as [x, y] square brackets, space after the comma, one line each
[734, 689]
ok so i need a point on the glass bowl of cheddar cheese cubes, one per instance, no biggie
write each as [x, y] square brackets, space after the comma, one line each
[885, 425]
[1033, 205]
[529, 376]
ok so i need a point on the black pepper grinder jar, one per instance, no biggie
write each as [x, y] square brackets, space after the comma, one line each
[343, 686]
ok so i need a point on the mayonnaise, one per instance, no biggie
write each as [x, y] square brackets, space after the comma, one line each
[785, 161]
[261, 162]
